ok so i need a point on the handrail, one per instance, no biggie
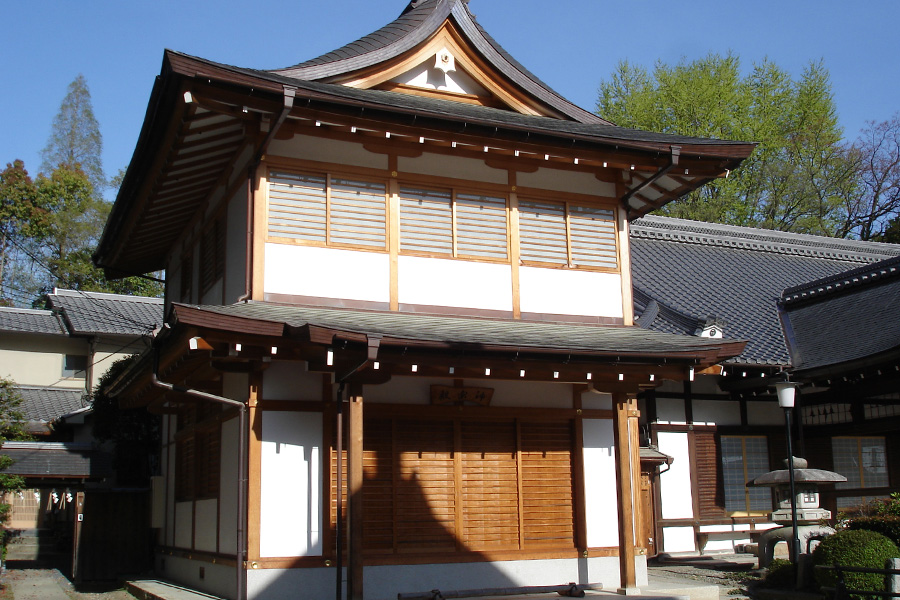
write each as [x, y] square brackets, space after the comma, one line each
[842, 592]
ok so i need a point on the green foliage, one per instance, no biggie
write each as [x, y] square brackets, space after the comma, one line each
[881, 516]
[134, 432]
[780, 575]
[75, 140]
[12, 427]
[854, 548]
[799, 175]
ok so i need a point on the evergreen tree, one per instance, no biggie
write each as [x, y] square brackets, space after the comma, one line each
[75, 141]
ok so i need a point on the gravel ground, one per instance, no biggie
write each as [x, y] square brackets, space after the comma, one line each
[726, 571]
[26, 584]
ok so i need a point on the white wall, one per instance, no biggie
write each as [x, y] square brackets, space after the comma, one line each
[675, 483]
[442, 165]
[236, 246]
[570, 292]
[716, 412]
[38, 360]
[291, 484]
[325, 150]
[566, 181]
[601, 499]
[327, 273]
[454, 283]
[289, 380]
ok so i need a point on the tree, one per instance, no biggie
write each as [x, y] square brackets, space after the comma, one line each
[12, 427]
[20, 218]
[874, 211]
[75, 140]
[798, 177]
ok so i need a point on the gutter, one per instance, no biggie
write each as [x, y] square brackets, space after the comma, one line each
[289, 93]
[240, 556]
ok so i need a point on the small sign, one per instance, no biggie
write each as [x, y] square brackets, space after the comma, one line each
[445, 394]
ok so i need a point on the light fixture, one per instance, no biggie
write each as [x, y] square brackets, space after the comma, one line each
[546, 157]
[576, 161]
[652, 377]
[485, 148]
[237, 347]
[589, 376]
[387, 134]
[274, 350]
[318, 123]
[786, 391]
[453, 144]
[691, 374]
[517, 154]
[604, 164]
[188, 98]
[555, 374]
[329, 357]
[353, 129]
[632, 167]
[621, 376]
[452, 370]
[421, 139]
[522, 373]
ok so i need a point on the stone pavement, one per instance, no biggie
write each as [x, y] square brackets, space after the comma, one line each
[50, 584]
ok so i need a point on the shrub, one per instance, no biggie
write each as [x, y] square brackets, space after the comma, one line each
[854, 548]
[887, 525]
[779, 575]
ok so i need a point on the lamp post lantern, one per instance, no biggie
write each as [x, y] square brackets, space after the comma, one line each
[786, 391]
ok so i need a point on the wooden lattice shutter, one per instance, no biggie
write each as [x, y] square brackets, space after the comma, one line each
[297, 206]
[208, 447]
[357, 213]
[710, 491]
[542, 232]
[481, 226]
[378, 486]
[547, 497]
[425, 491]
[490, 496]
[185, 461]
[426, 221]
[592, 233]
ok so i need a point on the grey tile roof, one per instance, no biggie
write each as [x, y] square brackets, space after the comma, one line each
[46, 404]
[28, 320]
[419, 21]
[99, 313]
[448, 109]
[48, 460]
[854, 305]
[476, 332]
[735, 274]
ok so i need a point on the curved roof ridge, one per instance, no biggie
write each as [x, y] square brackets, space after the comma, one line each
[418, 21]
[763, 240]
[872, 274]
[689, 323]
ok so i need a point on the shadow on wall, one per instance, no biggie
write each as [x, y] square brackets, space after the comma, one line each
[441, 497]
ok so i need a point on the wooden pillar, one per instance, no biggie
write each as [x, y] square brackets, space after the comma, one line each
[355, 493]
[625, 419]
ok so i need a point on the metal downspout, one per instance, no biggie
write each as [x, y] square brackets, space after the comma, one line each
[241, 573]
[289, 93]
[673, 162]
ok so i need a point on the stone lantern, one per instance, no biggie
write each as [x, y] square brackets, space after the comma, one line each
[806, 506]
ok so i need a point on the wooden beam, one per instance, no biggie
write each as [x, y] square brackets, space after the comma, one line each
[624, 406]
[355, 494]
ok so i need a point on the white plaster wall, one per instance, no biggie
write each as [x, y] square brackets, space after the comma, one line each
[288, 380]
[675, 484]
[670, 410]
[385, 582]
[569, 292]
[442, 165]
[424, 75]
[325, 150]
[327, 273]
[600, 484]
[38, 360]
[236, 246]
[229, 487]
[713, 412]
[725, 538]
[596, 400]
[566, 181]
[764, 413]
[454, 283]
[183, 524]
[207, 520]
[218, 580]
[679, 539]
[291, 484]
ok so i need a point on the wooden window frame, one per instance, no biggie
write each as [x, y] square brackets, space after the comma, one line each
[567, 209]
[748, 509]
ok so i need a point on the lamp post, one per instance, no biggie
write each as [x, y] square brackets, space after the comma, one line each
[786, 391]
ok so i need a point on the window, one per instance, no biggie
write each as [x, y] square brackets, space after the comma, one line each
[328, 210]
[75, 366]
[453, 224]
[212, 255]
[197, 451]
[862, 461]
[560, 233]
[744, 458]
[445, 485]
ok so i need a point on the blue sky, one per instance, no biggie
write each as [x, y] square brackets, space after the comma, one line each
[571, 44]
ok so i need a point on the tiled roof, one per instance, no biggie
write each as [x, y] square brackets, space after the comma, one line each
[861, 308]
[469, 331]
[46, 404]
[47, 460]
[98, 313]
[28, 320]
[735, 274]
[419, 21]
